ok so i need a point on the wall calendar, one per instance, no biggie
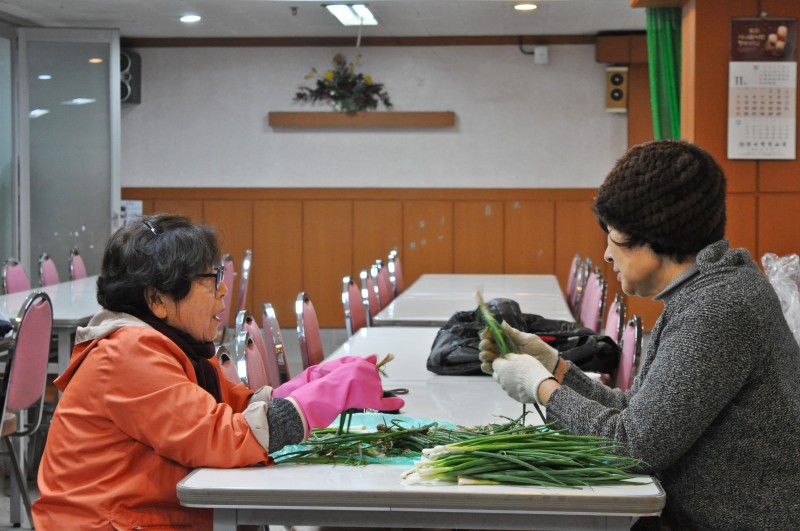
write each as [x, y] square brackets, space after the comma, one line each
[762, 83]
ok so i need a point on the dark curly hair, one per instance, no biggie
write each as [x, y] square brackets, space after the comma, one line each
[666, 194]
[162, 251]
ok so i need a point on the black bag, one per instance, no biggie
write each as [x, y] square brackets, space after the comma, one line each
[455, 348]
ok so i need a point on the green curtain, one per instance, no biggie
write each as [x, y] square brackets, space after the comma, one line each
[664, 56]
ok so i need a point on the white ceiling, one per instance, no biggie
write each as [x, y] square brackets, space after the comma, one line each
[274, 18]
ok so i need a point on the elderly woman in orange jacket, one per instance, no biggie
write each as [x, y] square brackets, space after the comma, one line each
[144, 400]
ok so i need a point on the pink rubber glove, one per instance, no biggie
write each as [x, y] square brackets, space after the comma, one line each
[315, 372]
[352, 385]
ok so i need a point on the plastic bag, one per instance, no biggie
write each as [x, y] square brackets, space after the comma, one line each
[783, 273]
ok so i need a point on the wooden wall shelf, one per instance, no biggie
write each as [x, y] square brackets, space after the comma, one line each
[362, 119]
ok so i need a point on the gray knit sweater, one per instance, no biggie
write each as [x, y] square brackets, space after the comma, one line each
[715, 410]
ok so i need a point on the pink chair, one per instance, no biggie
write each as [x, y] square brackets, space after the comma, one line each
[593, 301]
[355, 314]
[582, 276]
[241, 299]
[250, 362]
[14, 277]
[384, 284]
[228, 364]
[276, 351]
[26, 378]
[77, 269]
[572, 281]
[615, 318]
[630, 351]
[369, 295]
[308, 334]
[247, 323]
[396, 272]
[224, 316]
[48, 274]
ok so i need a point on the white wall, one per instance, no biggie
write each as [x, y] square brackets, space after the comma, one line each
[203, 120]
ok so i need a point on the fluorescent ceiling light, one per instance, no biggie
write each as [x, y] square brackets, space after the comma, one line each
[525, 7]
[45, 77]
[352, 15]
[35, 113]
[95, 60]
[189, 19]
[78, 101]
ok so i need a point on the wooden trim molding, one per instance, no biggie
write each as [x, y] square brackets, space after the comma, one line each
[362, 119]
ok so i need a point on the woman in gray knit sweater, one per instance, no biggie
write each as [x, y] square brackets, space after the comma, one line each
[715, 410]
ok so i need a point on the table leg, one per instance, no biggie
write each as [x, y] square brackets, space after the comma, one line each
[64, 348]
[224, 519]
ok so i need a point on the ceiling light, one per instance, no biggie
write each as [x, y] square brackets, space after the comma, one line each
[95, 60]
[78, 101]
[352, 15]
[190, 19]
[35, 113]
[525, 7]
[45, 77]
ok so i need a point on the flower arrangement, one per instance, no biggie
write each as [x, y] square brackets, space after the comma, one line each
[344, 88]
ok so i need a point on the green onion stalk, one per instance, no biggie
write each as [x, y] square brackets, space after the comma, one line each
[502, 339]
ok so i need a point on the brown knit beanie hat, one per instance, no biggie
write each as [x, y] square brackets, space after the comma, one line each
[669, 194]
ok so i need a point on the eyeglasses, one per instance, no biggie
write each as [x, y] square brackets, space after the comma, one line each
[218, 275]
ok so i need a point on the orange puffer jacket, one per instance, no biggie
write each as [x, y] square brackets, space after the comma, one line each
[130, 424]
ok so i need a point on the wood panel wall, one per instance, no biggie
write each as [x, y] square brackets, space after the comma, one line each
[308, 239]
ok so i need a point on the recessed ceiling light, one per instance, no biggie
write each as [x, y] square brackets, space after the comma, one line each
[45, 77]
[78, 101]
[95, 60]
[190, 19]
[352, 15]
[525, 7]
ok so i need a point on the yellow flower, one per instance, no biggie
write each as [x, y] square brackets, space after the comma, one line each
[368, 79]
[329, 74]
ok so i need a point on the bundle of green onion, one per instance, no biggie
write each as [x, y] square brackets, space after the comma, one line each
[531, 455]
[395, 438]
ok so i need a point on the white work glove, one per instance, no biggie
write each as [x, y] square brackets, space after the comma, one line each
[529, 344]
[520, 376]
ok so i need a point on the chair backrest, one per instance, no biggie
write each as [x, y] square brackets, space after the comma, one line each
[77, 269]
[630, 351]
[48, 274]
[369, 295]
[584, 270]
[270, 364]
[14, 277]
[241, 299]
[224, 316]
[228, 364]
[395, 272]
[615, 318]
[355, 315]
[276, 350]
[249, 362]
[26, 369]
[594, 301]
[572, 281]
[384, 285]
[308, 331]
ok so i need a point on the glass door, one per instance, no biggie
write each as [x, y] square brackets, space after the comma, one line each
[69, 144]
[8, 190]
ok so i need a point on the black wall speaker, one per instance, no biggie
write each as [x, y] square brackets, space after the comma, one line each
[130, 76]
[617, 89]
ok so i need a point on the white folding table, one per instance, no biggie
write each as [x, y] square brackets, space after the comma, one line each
[433, 299]
[375, 495]
[74, 303]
